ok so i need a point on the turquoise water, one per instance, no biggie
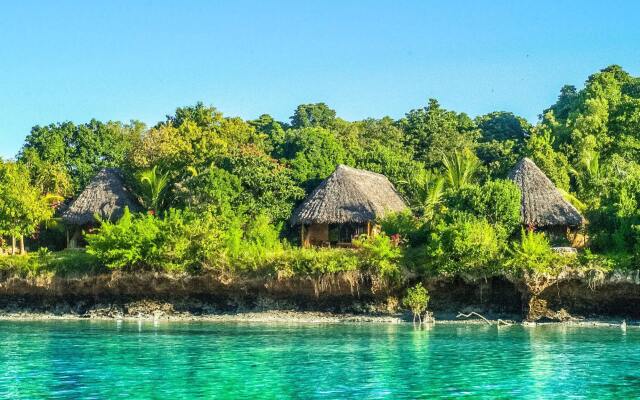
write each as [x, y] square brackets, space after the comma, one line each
[107, 360]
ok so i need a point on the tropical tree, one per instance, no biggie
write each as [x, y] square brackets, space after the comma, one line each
[155, 185]
[432, 132]
[214, 190]
[318, 114]
[501, 143]
[417, 300]
[460, 167]
[427, 189]
[82, 150]
[22, 206]
[540, 147]
[312, 154]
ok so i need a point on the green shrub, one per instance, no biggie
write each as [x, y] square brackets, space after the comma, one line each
[533, 253]
[187, 240]
[605, 262]
[132, 241]
[176, 241]
[20, 265]
[62, 263]
[184, 240]
[498, 201]
[311, 262]
[417, 300]
[467, 245]
[379, 256]
[72, 262]
[404, 224]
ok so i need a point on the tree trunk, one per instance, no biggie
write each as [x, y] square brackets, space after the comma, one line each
[13, 245]
[22, 251]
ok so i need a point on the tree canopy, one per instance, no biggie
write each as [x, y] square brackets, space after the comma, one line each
[449, 167]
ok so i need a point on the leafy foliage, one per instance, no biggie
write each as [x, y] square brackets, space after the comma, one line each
[312, 154]
[22, 206]
[460, 167]
[502, 141]
[533, 253]
[380, 255]
[313, 115]
[78, 152]
[465, 245]
[497, 201]
[225, 187]
[155, 186]
[417, 300]
[433, 132]
[426, 190]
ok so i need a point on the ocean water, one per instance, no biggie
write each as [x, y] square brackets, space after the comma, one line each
[173, 360]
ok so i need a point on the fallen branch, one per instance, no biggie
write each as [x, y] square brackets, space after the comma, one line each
[499, 322]
[471, 314]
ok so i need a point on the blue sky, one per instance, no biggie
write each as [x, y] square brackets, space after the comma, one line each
[122, 60]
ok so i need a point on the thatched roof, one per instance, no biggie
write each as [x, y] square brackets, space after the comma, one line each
[106, 195]
[349, 195]
[542, 203]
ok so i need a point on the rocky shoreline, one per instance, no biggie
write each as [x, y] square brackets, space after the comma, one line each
[164, 312]
[568, 298]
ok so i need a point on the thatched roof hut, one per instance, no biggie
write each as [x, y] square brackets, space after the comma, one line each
[349, 195]
[543, 205]
[106, 195]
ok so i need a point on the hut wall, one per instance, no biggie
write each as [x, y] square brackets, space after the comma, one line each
[316, 234]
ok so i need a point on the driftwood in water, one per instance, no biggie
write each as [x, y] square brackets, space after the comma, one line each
[499, 322]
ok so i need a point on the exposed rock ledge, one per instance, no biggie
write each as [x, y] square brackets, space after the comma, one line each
[570, 296]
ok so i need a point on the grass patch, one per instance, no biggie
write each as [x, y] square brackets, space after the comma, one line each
[62, 263]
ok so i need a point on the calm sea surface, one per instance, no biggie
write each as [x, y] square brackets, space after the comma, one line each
[107, 360]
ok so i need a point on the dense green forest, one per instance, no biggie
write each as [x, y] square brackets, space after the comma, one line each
[219, 190]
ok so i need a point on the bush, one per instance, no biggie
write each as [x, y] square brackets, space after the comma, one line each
[177, 241]
[417, 300]
[61, 263]
[379, 256]
[311, 262]
[467, 245]
[533, 253]
[498, 201]
[405, 225]
[184, 240]
[132, 241]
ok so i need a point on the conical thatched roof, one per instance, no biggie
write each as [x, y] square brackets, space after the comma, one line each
[349, 195]
[106, 195]
[542, 203]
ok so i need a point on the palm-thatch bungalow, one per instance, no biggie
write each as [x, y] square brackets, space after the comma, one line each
[543, 206]
[344, 206]
[105, 196]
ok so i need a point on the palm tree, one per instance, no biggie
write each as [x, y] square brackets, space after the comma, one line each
[588, 176]
[460, 168]
[155, 184]
[590, 162]
[428, 188]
